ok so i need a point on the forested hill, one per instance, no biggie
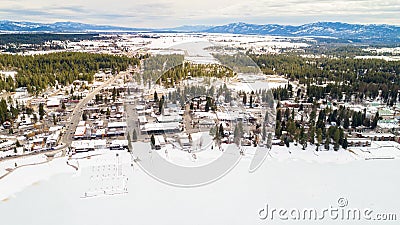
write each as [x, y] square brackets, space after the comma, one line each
[342, 32]
[40, 38]
[328, 77]
[41, 71]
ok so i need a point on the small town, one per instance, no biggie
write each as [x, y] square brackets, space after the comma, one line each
[120, 107]
[112, 124]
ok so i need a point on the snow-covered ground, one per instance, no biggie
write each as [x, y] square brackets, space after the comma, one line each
[195, 52]
[387, 58]
[53, 193]
[26, 176]
[6, 165]
[250, 83]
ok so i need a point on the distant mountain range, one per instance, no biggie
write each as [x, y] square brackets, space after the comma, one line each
[355, 32]
[343, 31]
[12, 26]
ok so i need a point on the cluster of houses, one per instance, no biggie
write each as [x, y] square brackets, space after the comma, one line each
[170, 121]
[388, 125]
[29, 133]
[197, 115]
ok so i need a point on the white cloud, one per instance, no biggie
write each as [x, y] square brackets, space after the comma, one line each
[166, 13]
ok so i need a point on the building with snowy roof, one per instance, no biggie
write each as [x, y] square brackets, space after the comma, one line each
[169, 119]
[159, 128]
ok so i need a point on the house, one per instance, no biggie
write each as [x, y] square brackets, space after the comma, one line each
[53, 103]
[386, 113]
[82, 146]
[80, 132]
[159, 128]
[359, 142]
[378, 136]
[119, 145]
[142, 120]
[169, 119]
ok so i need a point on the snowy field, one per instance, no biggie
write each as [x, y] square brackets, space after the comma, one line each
[54, 193]
[250, 83]
[7, 165]
[387, 58]
[195, 51]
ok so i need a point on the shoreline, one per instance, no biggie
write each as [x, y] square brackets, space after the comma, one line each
[36, 172]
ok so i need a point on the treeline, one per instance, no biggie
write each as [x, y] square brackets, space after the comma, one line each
[40, 38]
[174, 75]
[154, 66]
[183, 95]
[313, 129]
[364, 78]
[239, 62]
[283, 93]
[7, 113]
[345, 51]
[41, 71]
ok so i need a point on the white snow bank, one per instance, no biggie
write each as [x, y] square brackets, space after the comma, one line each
[28, 175]
[10, 163]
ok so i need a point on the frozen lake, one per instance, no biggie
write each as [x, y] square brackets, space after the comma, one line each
[235, 199]
[195, 52]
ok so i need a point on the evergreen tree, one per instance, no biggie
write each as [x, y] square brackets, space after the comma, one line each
[319, 137]
[217, 136]
[129, 142]
[266, 118]
[286, 141]
[221, 130]
[287, 113]
[84, 116]
[207, 106]
[161, 105]
[278, 105]
[303, 138]
[134, 135]
[54, 119]
[152, 140]
[345, 143]
[313, 116]
[375, 120]
[278, 129]
[336, 138]
[311, 134]
[327, 142]
[346, 122]
[41, 111]
[155, 96]
[278, 115]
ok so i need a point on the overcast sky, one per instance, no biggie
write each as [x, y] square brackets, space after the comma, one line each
[171, 13]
